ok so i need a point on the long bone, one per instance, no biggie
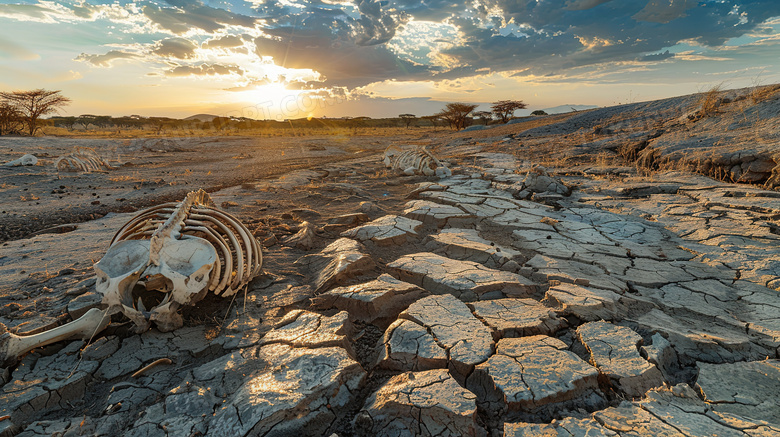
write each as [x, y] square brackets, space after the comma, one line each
[85, 327]
[193, 249]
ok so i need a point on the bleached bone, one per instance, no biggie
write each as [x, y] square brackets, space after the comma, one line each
[24, 160]
[83, 159]
[183, 250]
[170, 255]
[85, 327]
[414, 161]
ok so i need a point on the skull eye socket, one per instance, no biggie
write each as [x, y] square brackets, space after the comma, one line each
[188, 255]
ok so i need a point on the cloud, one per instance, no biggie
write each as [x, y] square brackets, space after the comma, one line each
[225, 42]
[664, 11]
[106, 59]
[656, 57]
[188, 15]
[204, 70]
[180, 48]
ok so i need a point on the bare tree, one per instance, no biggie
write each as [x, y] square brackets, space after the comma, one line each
[485, 116]
[505, 109]
[34, 104]
[10, 118]
[457, 114]
[407, 118]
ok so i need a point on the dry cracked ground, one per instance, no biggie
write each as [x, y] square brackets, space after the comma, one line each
[583, 300]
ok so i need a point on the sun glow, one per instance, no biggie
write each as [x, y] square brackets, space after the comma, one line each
[272, 101]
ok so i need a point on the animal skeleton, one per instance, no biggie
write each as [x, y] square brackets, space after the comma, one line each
[415, 161]
[166, 257]
[82, 159]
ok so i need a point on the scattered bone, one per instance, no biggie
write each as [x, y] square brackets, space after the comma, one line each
[427, 403]
[339, 261]
[614, 351]
[151, 365]
[25, 160]
[466, 280]
[376, 302]
[517, 317]
[417, 161]
[83, 159]
[385, 231]
[304, 238]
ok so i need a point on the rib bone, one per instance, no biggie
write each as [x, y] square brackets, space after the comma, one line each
[414, 161]
[170, 255]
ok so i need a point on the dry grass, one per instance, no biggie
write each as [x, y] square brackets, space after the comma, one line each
[710, 101]
[763, 93]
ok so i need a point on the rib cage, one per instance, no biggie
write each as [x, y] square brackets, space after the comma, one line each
[414, 161]
[82, 159]
[240, 257]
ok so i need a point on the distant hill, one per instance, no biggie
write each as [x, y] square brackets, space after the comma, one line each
[202, 117]
[568, 108]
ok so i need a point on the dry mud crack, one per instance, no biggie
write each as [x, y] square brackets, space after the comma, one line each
[492, 302]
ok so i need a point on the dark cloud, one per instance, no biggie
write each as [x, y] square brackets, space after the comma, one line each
[375, 26]
[185, 15]
[342, 62]
[105, 59]
[180, 48]
[204, 70]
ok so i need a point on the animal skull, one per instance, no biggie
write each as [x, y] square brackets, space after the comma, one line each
[24, 160]
[164, 258]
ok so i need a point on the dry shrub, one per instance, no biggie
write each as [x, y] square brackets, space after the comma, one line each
[764, 93]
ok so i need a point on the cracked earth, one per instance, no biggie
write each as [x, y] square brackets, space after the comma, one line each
[506, 300]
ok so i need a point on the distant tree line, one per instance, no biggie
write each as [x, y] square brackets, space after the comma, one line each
[460, 115]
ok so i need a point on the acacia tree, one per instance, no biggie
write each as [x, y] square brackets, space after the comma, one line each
[34, 104]
[456, 114]
[505, 109]
[407, 118]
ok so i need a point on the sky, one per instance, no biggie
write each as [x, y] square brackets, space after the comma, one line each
[328, 58]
